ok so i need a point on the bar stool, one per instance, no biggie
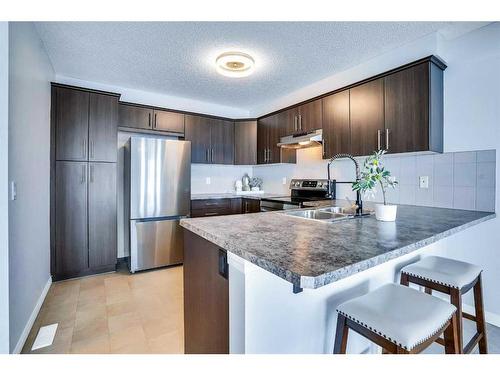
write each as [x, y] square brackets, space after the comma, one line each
[401, 320]
[454, 278]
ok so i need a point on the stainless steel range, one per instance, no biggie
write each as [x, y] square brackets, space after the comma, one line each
[301, 191]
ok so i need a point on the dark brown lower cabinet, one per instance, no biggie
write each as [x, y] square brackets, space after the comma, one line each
[249, 205]
[71, 232]
[206, 297]
[85, 219]
[102, 215]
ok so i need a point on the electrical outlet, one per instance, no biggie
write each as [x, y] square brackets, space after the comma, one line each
[208, 181]
[424, 182]
[284, 181]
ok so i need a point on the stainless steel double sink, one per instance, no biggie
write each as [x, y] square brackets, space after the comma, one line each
[325, 214]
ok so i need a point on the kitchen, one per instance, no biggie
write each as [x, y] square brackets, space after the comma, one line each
[204, 228]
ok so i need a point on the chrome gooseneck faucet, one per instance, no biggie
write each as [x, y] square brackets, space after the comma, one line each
[359, 202]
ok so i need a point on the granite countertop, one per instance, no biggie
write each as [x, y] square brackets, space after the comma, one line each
[233, 195]
[310, 254]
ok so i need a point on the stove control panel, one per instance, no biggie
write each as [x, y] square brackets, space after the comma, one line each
[296, 184]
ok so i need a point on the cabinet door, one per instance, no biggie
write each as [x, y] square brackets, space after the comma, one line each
[168, 121]
[102, 214]
[206, 297]
[222, 142]
[132, 116]
[103, 120]
[310, 116]
[245, 142]
[72, 124]
[250, 205]
[263, 138]
[407, 110]
[367, 117]
[288, 121]
[197, 131]
[71, 248]
[275, 134]
[336, 129]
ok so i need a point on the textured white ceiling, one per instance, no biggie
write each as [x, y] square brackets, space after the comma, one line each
[176, 58]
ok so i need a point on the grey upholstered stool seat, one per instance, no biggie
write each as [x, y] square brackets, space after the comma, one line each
[444, 271]
[401, 315]
[454, 278]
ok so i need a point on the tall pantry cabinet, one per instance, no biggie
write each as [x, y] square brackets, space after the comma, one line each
[83, 181]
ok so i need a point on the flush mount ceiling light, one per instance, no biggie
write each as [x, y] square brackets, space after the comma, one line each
[235, 64]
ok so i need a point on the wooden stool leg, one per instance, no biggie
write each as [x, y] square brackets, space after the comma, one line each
[480, 322]
[340, 345]
[456, 300]
[451, 342]
[404, 280]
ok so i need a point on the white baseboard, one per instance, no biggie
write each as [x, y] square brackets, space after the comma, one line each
[31, 320]
[490, 317]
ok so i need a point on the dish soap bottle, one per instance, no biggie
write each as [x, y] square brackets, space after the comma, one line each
[246, 182]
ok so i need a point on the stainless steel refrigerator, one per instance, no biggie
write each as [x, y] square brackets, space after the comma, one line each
[158, 195]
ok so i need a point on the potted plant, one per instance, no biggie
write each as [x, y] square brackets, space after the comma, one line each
[374, 174]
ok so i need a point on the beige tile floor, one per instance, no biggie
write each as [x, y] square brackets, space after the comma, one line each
[115, 313]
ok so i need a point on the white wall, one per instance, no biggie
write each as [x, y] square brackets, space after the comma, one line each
[221, 177]
[30, 73]
[159, 100]
[472, 113]
[4, 177]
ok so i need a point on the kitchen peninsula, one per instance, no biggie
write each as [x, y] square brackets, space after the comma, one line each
[270, 282]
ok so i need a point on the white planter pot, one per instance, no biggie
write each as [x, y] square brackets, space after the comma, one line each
[386, 212]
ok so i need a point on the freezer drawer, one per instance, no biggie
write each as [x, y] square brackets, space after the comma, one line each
[155, 243]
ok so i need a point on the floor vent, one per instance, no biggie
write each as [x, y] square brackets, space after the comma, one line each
[45, 336]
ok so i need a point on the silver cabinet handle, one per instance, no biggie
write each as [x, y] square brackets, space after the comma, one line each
[265, 155]
[268, 155]
[91, 173]
[92, 149]
[82, 180]
[378, 139]
[154, 125]
[295, 123]
[149, 120]
[300, 122]
[211, 155]
[84, 148]
[207, 156]
[387, 139]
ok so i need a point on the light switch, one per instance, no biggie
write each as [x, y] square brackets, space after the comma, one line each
[284, 181]
[424, 182]
[207, 181]
[13, 191]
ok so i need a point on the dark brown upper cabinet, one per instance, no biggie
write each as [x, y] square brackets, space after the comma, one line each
[287, 121]
[221, 141]
[212, 140]
[133, 116]
[412, 122]
[197, 130]
[245, 142]
[310, 116]
[336, 124]
[71, 123]
[269, 132]
[85, 125]
[103, 120]
[367, 117]
[168, 121]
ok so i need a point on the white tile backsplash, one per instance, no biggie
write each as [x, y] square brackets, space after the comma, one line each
[464, 180]
[464, 174]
